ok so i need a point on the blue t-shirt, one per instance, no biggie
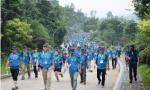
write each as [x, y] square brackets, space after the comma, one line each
[35, 58]
[126, 53]
[26, 57]
[114, 53]
[90, 55]
[133, 57]
[73, 64]
[77, 53]
[83, 60]
[52, 52]
[109, 53]
[45, 59]
[101, 61]
[14, 60]
[57, 61]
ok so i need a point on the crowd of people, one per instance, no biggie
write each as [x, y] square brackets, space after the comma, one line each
[75, 56]
[77, 59]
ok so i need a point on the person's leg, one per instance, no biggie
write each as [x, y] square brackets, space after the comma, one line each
[98, 76]
[44, 75]
[28, 70]
[103, 76]
[56, 75]
[81, 75]
[48, 85]
[84, 75]
[75, 80]
[89, 64]
[71, 79]
[23, 71]
[36, 72]
[13, 76]
[34, 69]
[113, 63]
[135, 71]
[130, 72]
[16, 78]
[60, 73]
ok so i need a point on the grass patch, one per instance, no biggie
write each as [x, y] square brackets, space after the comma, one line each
[144, 71]
[3, 69]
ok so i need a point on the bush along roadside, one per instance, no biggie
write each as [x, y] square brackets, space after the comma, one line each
[144, 71]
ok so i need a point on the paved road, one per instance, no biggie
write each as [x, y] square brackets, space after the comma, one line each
[64, 84]
[136, 85]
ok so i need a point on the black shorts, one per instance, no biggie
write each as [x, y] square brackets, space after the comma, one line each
[57, 69]
[14, 73]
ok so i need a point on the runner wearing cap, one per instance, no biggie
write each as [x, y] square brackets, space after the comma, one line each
[13, 62]
[90, 56]
[46, 64]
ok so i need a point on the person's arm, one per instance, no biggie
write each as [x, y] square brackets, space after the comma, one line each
[96, 59]
[30, 56]
[107, 62]
[39, 58]
[7, 63]
[79, 65]
[66, 65]
[52, 59]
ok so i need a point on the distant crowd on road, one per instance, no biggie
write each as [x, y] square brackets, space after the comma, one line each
[76, 56]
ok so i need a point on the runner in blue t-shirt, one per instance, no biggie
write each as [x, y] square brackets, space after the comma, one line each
[14, 62]
[58, 65]
[35, 62]
[114, 57]
[90, 56]
[73, 64]
[119, 51]
[101, 62]
[26, 59]
[47, 64]
[83, 65]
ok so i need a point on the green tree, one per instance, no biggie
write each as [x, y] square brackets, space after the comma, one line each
[40, 35]
[142, 8]
[10, 9]
[16, 33]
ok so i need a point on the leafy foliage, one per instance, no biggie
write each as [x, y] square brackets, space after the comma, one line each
[16, 33]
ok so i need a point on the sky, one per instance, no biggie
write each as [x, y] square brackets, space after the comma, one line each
[117, 7]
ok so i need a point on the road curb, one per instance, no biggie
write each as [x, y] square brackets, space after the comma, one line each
[9, 75]
[121, 75]
[142, 85]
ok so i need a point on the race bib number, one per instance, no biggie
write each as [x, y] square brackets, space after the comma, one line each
[101, 61]
[35, 60]
[114, 55]
[45, 62]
